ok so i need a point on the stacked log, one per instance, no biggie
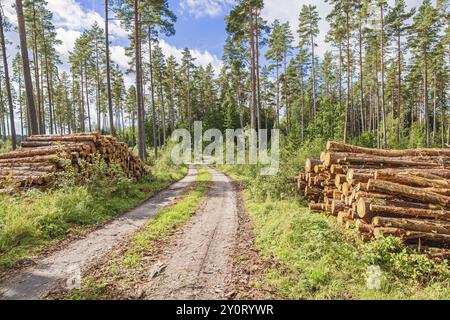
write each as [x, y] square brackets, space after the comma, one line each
[42, 156]
[402, 193]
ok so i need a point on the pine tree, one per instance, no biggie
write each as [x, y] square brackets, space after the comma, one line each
[32, 112]
[279, 46]
[170, 83]
[108, 72]
[308, 31]
[187, 70]
[382, 4]
[18, 78]
[131, 109]
[425, 31]
[397, 26]
[3, 26]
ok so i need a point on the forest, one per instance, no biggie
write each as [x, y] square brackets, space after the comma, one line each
[384, 84]
[88, 189]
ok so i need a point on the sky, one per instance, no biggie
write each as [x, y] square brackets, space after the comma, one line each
[200, 26]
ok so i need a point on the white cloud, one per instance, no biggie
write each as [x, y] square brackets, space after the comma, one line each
[205, 8]
[289, 10]
[67, 38]
[202, 58]
[118, 56]
[69, 14]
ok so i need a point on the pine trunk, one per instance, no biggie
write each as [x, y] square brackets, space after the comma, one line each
[34, 129]
[8, 85]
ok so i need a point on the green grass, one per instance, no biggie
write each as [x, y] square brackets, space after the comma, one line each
[5, 146]
[36, 220]
[320, 260]
[121, 267]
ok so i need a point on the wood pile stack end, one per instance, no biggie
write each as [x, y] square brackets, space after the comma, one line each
[41, 156]
[403, 193]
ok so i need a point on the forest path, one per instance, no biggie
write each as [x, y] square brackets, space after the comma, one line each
[198, 262]
[65, 266]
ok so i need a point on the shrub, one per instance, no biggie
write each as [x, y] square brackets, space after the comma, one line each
[391, 255]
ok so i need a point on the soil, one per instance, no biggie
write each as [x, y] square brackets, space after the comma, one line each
[211, 257]
[197, 265]
[65, 265]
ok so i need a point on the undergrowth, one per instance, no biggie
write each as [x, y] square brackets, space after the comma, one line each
[5, 146]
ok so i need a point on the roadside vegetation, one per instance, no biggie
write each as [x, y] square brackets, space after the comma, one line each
[5, 146]
[319, 259]
[126, 265]
[35, 220]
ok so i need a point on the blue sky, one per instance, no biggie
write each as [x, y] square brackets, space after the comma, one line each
[205, 32]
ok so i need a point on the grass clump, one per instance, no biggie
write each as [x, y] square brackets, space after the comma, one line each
[35, 219]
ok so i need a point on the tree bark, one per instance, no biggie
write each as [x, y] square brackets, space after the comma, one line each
[341, 147]
[413, 235]
[8, 84]
[253, 100]
[108, 71]
[152, 89]
[361, 79]
[258, 82]
[402, 191]
[425, 98]
[34, 129]
[383, 104]
[313, 57]
[139, 102]
[87, 97]
[347, 106]
[399, 84]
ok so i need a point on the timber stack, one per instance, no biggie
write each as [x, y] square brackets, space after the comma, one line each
[42, 156]
[403, 193]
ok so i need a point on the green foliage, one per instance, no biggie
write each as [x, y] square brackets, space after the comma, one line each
[5, 146]
[293, 157]
[416, 136]
[367, 139]
[392, 255]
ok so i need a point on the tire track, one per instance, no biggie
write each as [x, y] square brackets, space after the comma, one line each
[198, 262]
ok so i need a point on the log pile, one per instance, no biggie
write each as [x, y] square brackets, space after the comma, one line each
[403, 193]
[41, 157]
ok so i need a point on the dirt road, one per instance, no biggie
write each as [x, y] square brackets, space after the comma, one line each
[35, 282]
[197, 264]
